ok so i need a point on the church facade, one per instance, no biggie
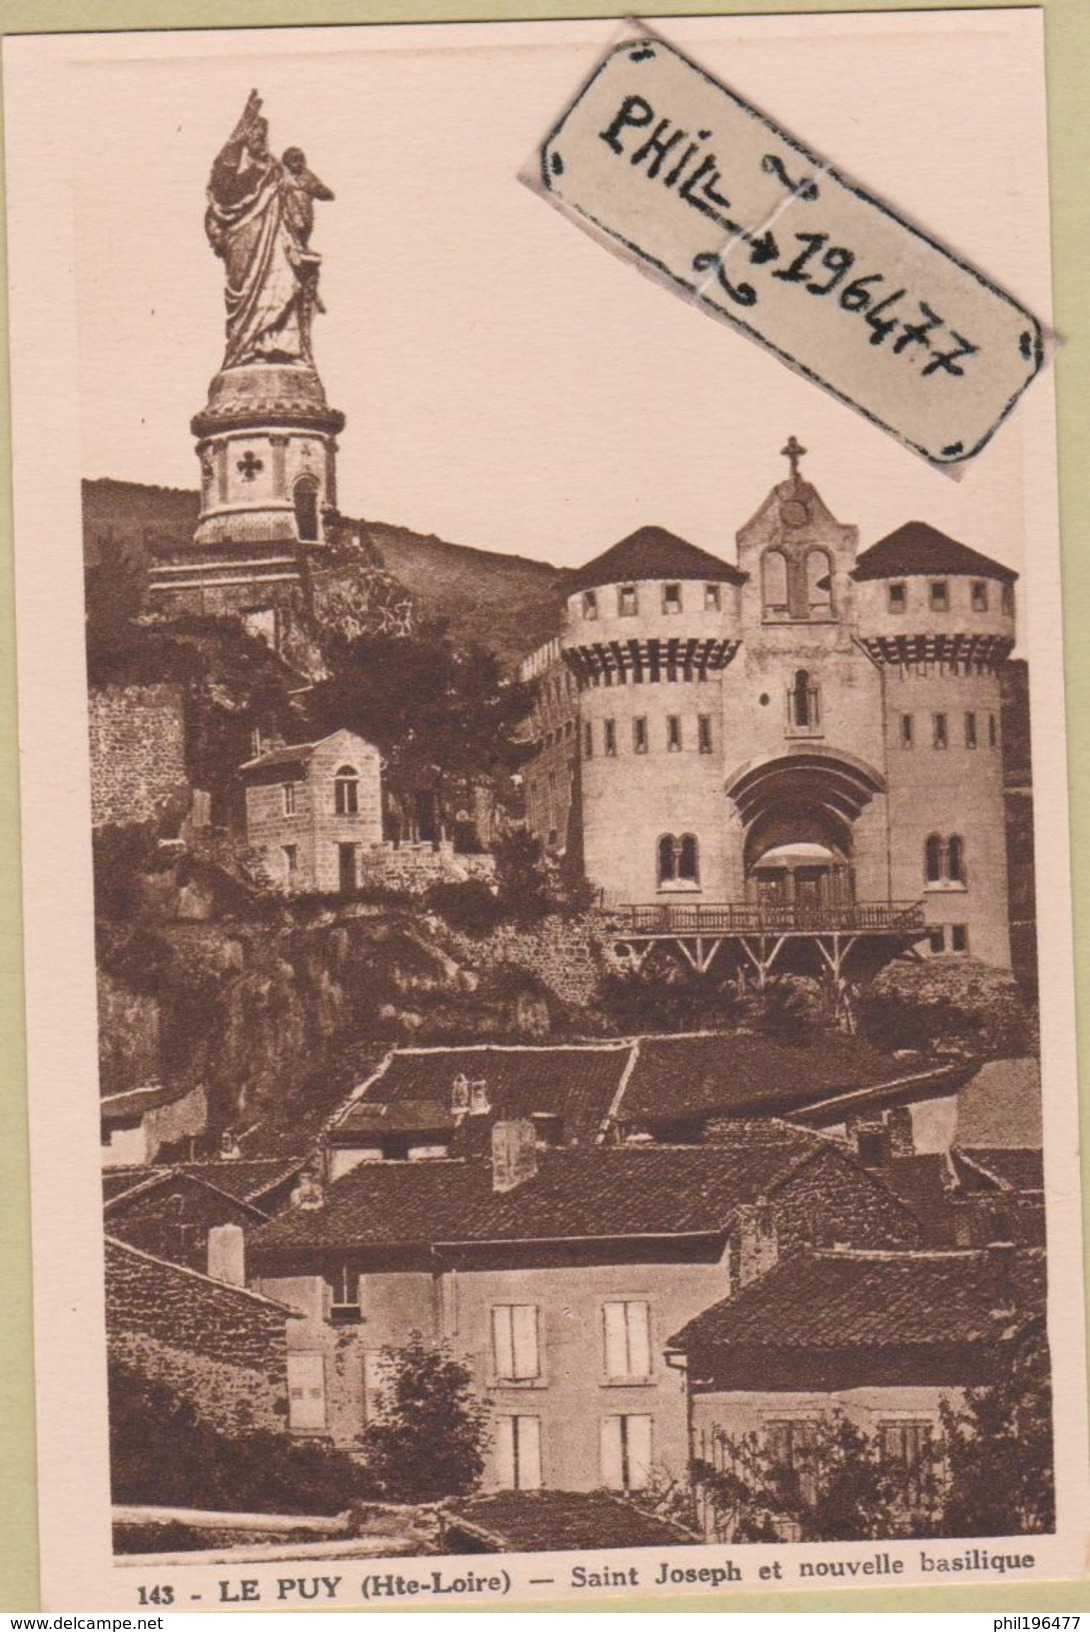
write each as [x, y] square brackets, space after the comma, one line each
[808, 740]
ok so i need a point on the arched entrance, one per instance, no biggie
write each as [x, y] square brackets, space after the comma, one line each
[798, 811]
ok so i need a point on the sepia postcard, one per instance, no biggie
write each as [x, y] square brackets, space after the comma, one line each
[545, 850]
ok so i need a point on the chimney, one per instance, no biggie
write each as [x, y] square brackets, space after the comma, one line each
[459, 1094]
[514, 1155]
[548, 1128]
[478, 1098]
[758, 1247]
[872, 1143]
[309, 1192]
[898, 1122]
[999, 1279]
[227, 1254]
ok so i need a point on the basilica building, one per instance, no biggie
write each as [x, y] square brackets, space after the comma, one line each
[803, 747]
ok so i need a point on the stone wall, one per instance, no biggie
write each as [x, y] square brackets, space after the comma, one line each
[414, 868]
[222, 1346]
[137, 739]
[565, 953]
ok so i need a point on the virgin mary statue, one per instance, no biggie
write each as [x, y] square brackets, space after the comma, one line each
[258, 221]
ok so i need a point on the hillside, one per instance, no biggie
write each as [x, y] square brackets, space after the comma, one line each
[504, 602]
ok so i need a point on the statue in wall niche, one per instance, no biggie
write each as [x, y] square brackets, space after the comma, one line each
[259, 221]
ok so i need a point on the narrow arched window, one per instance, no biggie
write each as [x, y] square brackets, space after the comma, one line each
[667, 859]
[305, 500]
[687, 859]
[932, 859]
[346, 791]
[803, 699]
[819, 583]
[774, 581]
[955, 859]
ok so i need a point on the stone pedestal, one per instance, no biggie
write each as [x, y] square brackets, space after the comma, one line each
[267, 447]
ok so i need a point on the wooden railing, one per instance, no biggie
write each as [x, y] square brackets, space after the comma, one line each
[742, 918]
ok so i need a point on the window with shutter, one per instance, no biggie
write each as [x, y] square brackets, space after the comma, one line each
[627, 1331]
[625, 1452]
[515, 1351]
[518, 1453]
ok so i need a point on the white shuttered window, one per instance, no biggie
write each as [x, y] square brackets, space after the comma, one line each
[626, 1452]
[306, 1391]
[627, 1328]
[518, 1452]
[515, 1342]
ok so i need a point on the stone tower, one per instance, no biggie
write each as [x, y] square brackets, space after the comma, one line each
[266, 439]
[938, 620]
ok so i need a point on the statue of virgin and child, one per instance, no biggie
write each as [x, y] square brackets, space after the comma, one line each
[259, 220]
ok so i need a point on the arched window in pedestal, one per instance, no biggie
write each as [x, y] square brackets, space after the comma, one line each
[305, 499]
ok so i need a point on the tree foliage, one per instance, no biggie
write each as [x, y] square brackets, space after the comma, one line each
[163, 1453]
[999, 1449]
[431, 1431]
[956, 1002]
[834, 1486]
[441, 715]
[989, 1472]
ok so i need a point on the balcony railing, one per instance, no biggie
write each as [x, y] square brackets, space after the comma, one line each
[743, 918]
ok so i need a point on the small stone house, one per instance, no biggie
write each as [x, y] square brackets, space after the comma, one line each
[213, 1342]
[882, 1337]
[313, 809]
[136, 1125]
[556, 1274]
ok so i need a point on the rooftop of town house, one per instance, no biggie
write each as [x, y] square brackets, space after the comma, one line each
[291, 753]
[544, 1521]
[697, 1075]
[918, 549]
[602, 1193]
[844, 1298]
[576, 1082]
[925, 1184]
[132, 1266]
[1015, 1169]
[651, 553]
[407, 1116]
[136, 1102]
[164, 1184]
[246, 1180]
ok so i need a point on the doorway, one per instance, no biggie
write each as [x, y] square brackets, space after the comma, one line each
[346, 863]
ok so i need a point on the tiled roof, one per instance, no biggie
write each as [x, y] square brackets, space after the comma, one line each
[923, 1183]
[541, 1521]
[837, 1300]
[1012, 1169]
[576, 1083]
[410, 1116]
[245, 1180]
[119, 1181]
[917, 548]
[136, 1102]
[710, 1073]
[651, 552]
[292, 753]
[603, 1192]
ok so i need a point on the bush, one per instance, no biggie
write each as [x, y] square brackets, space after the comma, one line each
[956, 1002]
[163, 1454]
[471, 907]
[430, 1439]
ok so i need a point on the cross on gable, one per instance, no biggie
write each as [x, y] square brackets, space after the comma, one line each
[249, 465]
[793, 452]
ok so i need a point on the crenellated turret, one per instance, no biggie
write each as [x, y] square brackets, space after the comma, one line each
[653, 607]
[923, 597]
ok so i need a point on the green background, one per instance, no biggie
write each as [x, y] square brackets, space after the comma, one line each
[1067, 24]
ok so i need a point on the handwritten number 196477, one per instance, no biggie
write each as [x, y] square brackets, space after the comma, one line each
[821, 269]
